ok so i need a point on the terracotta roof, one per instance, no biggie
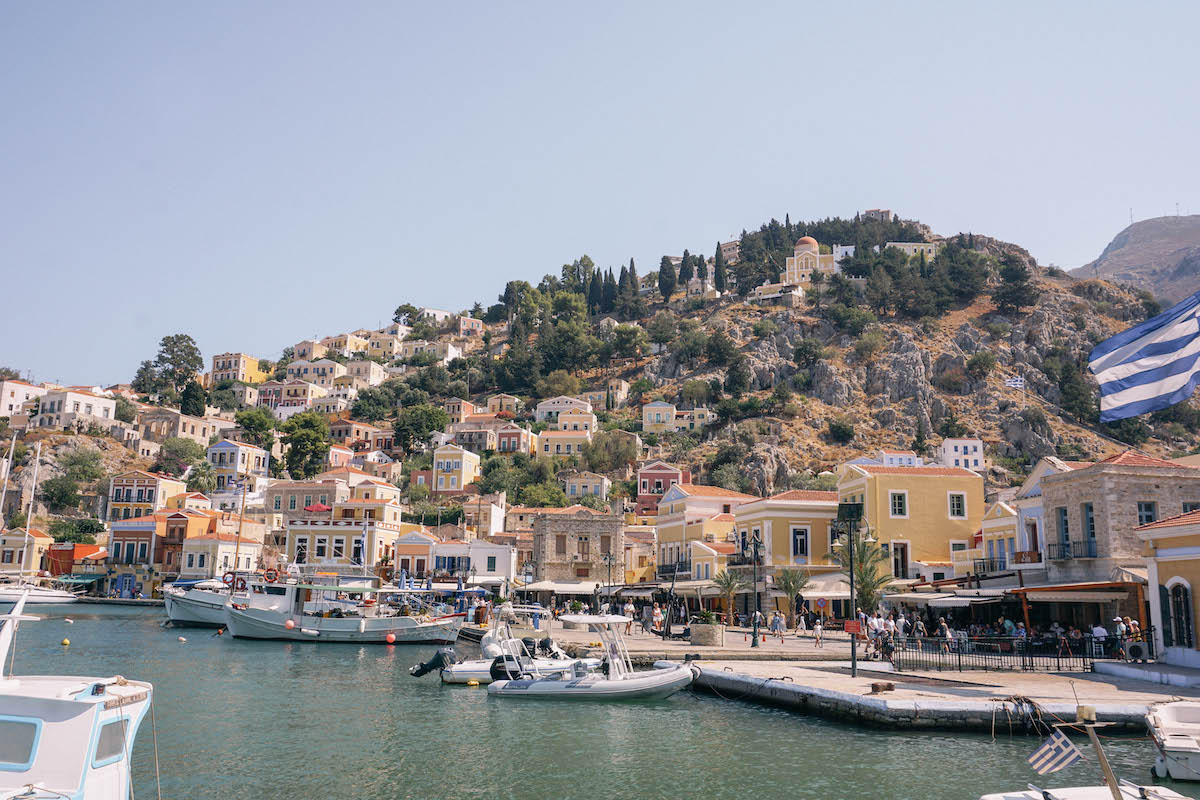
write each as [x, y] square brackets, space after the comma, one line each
[898, 452]
[699, 490]
[1079, 464]
[1179, 520]
[367, 501]
[722, 518]
[804, 494]
[34, 533]
[1131, 458]
[877, 469]
[724, 548]
[553, 510]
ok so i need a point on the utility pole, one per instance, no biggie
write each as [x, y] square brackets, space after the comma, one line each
[755, 545]
[237, 545]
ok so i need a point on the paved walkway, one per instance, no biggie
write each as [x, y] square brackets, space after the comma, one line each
[737, 645]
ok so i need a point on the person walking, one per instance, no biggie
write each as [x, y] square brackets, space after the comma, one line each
[802, 620]
[818, 631]
[658, 618]
[628, 611]
[778, 625]
[943, 632]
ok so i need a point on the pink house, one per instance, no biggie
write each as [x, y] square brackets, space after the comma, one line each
[654, 478]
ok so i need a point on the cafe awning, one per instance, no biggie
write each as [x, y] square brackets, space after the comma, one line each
[831, 586]
[1076, 597]
[958, 601]
[919, 598]
[78, 580]
[562, 587]
[638, 591]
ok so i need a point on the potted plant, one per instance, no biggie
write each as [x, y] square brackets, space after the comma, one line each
[574, 607]
[707, 630]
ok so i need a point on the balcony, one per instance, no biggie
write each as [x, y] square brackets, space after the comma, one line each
[1065, 551]
[741, 560]
[982, 566]
[677, 569]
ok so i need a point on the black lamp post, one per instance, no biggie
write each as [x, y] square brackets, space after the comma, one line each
[849, 515]
[608, 559]
[755, 547]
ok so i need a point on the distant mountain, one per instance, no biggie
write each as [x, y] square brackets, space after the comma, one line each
[1161, 255]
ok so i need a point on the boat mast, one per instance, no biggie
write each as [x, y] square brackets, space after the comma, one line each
[237, 546]
[7, 472]
[29, 516]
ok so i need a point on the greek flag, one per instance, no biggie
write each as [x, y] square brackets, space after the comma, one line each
[1015, 383]
[1054, 754]
[1150, 366]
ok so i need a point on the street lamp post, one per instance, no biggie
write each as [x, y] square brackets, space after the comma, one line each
[849, 515]
[755, 545]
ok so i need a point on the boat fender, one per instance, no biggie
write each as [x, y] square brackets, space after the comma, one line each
[443, 658]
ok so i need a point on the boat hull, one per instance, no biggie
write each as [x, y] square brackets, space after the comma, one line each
[253, 623]
[37, 596]
[197, 607]
[480, 669]
[652, 685]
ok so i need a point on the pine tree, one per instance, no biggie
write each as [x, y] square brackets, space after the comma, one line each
[666, 278]
[1015, 291]
[1077, 397]
[685, 268]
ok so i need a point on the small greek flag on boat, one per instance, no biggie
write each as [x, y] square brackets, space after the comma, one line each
[1015, 383]
[1150, 366]
[1054, 754]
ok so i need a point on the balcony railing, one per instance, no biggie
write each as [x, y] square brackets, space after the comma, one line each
[1064, 551]
[986, 565]
[667, 570]
[741, 560]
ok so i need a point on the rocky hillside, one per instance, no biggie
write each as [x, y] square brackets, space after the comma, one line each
[916, 377]
[1160, 255]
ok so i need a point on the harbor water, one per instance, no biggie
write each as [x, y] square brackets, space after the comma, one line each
[260, 720]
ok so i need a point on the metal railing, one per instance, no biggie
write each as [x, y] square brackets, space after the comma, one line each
[1053, 654]
[672, 569]
[741, 560]
[1064, 551]
[982, 565]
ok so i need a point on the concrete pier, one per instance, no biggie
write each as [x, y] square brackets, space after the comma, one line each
[995, 702]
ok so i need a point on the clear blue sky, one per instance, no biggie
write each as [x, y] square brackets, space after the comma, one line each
[256, 173]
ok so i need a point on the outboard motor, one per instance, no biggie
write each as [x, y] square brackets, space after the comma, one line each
[547, 647]
[530, 644]
[505, 668]
[443, 658]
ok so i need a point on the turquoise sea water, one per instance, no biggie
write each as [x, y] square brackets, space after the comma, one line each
[244, 719]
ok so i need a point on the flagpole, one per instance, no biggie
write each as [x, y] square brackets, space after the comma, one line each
[237, 545]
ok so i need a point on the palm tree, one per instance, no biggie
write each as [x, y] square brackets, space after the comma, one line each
[202, 478]
[871, 572]
[730, 584]
[791, 582]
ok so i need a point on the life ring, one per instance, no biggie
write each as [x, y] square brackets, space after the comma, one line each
[270, 576]
[241, 584]
[228, 578]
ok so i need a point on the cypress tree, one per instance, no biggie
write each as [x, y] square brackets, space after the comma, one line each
[610, 293]
[666, 278]
[719, 269]
[623, 282]
[596, 293]
[701, 267]
[634, 286]
[685, 268]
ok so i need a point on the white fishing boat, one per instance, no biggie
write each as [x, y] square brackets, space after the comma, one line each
[616, 679]
[337, 613]
[65, 737]
[200, 604]
[1175, 729]
[1126, 791]
[505, 654]
[38, 591]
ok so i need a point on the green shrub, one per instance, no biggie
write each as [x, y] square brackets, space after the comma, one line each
[765, 327]
[981, 364]
[841, 430]
[849, 320]
[869, 345]
[998, 330]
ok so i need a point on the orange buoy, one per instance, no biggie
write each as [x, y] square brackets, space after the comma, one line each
[289, 624]
[391, 638]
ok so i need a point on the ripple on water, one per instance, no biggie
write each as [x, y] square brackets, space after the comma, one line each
[263, 720]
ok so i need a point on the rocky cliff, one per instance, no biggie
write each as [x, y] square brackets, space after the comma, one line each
[1160, 255]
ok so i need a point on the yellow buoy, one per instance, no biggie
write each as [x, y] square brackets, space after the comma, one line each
[472, 683]
[66, 642]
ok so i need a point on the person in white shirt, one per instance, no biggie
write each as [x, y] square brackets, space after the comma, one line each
[628, 611]
[1099, 631]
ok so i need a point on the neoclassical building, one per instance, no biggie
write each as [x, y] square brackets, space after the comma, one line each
[796, 278]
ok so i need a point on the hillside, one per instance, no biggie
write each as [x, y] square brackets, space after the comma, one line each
[1160, 255]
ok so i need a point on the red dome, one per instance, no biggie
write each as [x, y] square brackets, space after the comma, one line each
[806, 240]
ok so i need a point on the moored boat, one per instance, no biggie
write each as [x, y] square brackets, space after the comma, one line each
[331, 613]
[65, 736]
[201, 604]
[616, 679]
[38, 592]
[1175, 729]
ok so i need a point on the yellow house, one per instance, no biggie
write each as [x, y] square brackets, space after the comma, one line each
[414, 550]
[23, 553]
[999, 529]
[138, 493]
[454, 468]
[237, 367]
[658, 417]
[1172, 550]
[360, 531]
[918, 514]
[794, 528]
[503, 402]
[690, 512]
[710, 557]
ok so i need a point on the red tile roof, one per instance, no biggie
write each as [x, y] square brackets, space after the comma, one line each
[1132, 458]
[1179, 520]
[899, 452]
[724, 548]
[224, 537]
[700, 490]
[805, 494]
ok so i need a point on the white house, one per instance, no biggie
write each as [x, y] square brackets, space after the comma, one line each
[213, 555]
[550, 409]
[962, 453]
[493, 564]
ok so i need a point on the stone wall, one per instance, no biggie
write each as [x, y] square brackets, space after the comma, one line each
[583, 526]
[1114, 492]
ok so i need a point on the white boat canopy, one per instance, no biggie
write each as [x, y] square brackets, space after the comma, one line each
[596, 619]
[563, 587]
